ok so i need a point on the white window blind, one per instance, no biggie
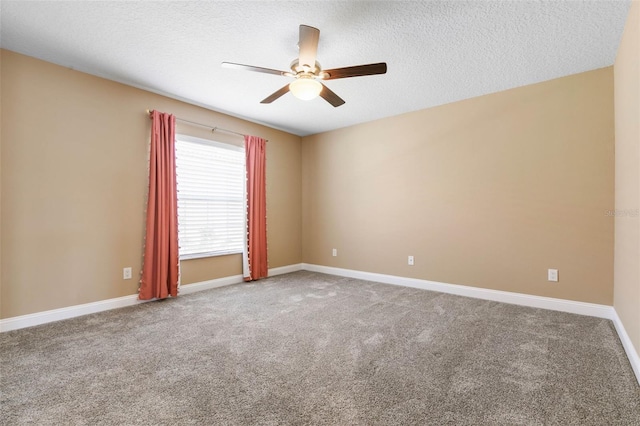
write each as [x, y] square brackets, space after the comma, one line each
[211, 204]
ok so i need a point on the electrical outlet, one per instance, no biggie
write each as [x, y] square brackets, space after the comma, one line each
[334, 253]
[552, 275]
[410, 261]
[126, 273]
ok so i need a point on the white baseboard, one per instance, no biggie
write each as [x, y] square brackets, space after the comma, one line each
[632, 353]
[285, 269]
[582, 308]
[209, 284]
[234, 279]
[44, 317]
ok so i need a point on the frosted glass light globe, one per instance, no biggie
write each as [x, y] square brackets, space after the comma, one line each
[305, 88]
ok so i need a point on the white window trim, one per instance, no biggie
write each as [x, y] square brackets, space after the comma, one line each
[209, 142]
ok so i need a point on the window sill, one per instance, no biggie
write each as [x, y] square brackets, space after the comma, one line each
[210, 254]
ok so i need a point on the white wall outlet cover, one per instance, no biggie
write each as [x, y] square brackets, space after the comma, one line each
[126, 273]
[334, 252]
[552, 275]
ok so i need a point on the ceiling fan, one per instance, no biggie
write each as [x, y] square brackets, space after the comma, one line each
[307, 71]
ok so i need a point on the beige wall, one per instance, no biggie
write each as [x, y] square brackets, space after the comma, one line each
[1, 51]
[73, 182]
[487, 192]
[627, 193]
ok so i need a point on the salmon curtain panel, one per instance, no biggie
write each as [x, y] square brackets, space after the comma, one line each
[255, 253]
[160, 267]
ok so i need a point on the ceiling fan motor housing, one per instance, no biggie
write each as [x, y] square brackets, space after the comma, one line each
[299, 70]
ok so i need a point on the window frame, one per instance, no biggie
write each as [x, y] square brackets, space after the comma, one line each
[220, 145]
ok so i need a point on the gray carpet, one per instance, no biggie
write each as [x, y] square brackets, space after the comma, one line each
[308, 348]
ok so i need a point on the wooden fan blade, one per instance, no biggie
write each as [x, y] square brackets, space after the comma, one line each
[308, 45]
[275, 95]
[356, 71]
[329, 96]
[255, 69]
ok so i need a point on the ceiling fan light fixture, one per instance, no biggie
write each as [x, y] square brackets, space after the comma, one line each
[306, 71]
[305, 88]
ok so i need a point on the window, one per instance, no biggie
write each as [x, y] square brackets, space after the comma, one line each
[211, 200]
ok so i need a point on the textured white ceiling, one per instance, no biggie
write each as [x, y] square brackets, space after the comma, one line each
[437, 51]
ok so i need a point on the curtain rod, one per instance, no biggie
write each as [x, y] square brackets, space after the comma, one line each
[213, 128]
